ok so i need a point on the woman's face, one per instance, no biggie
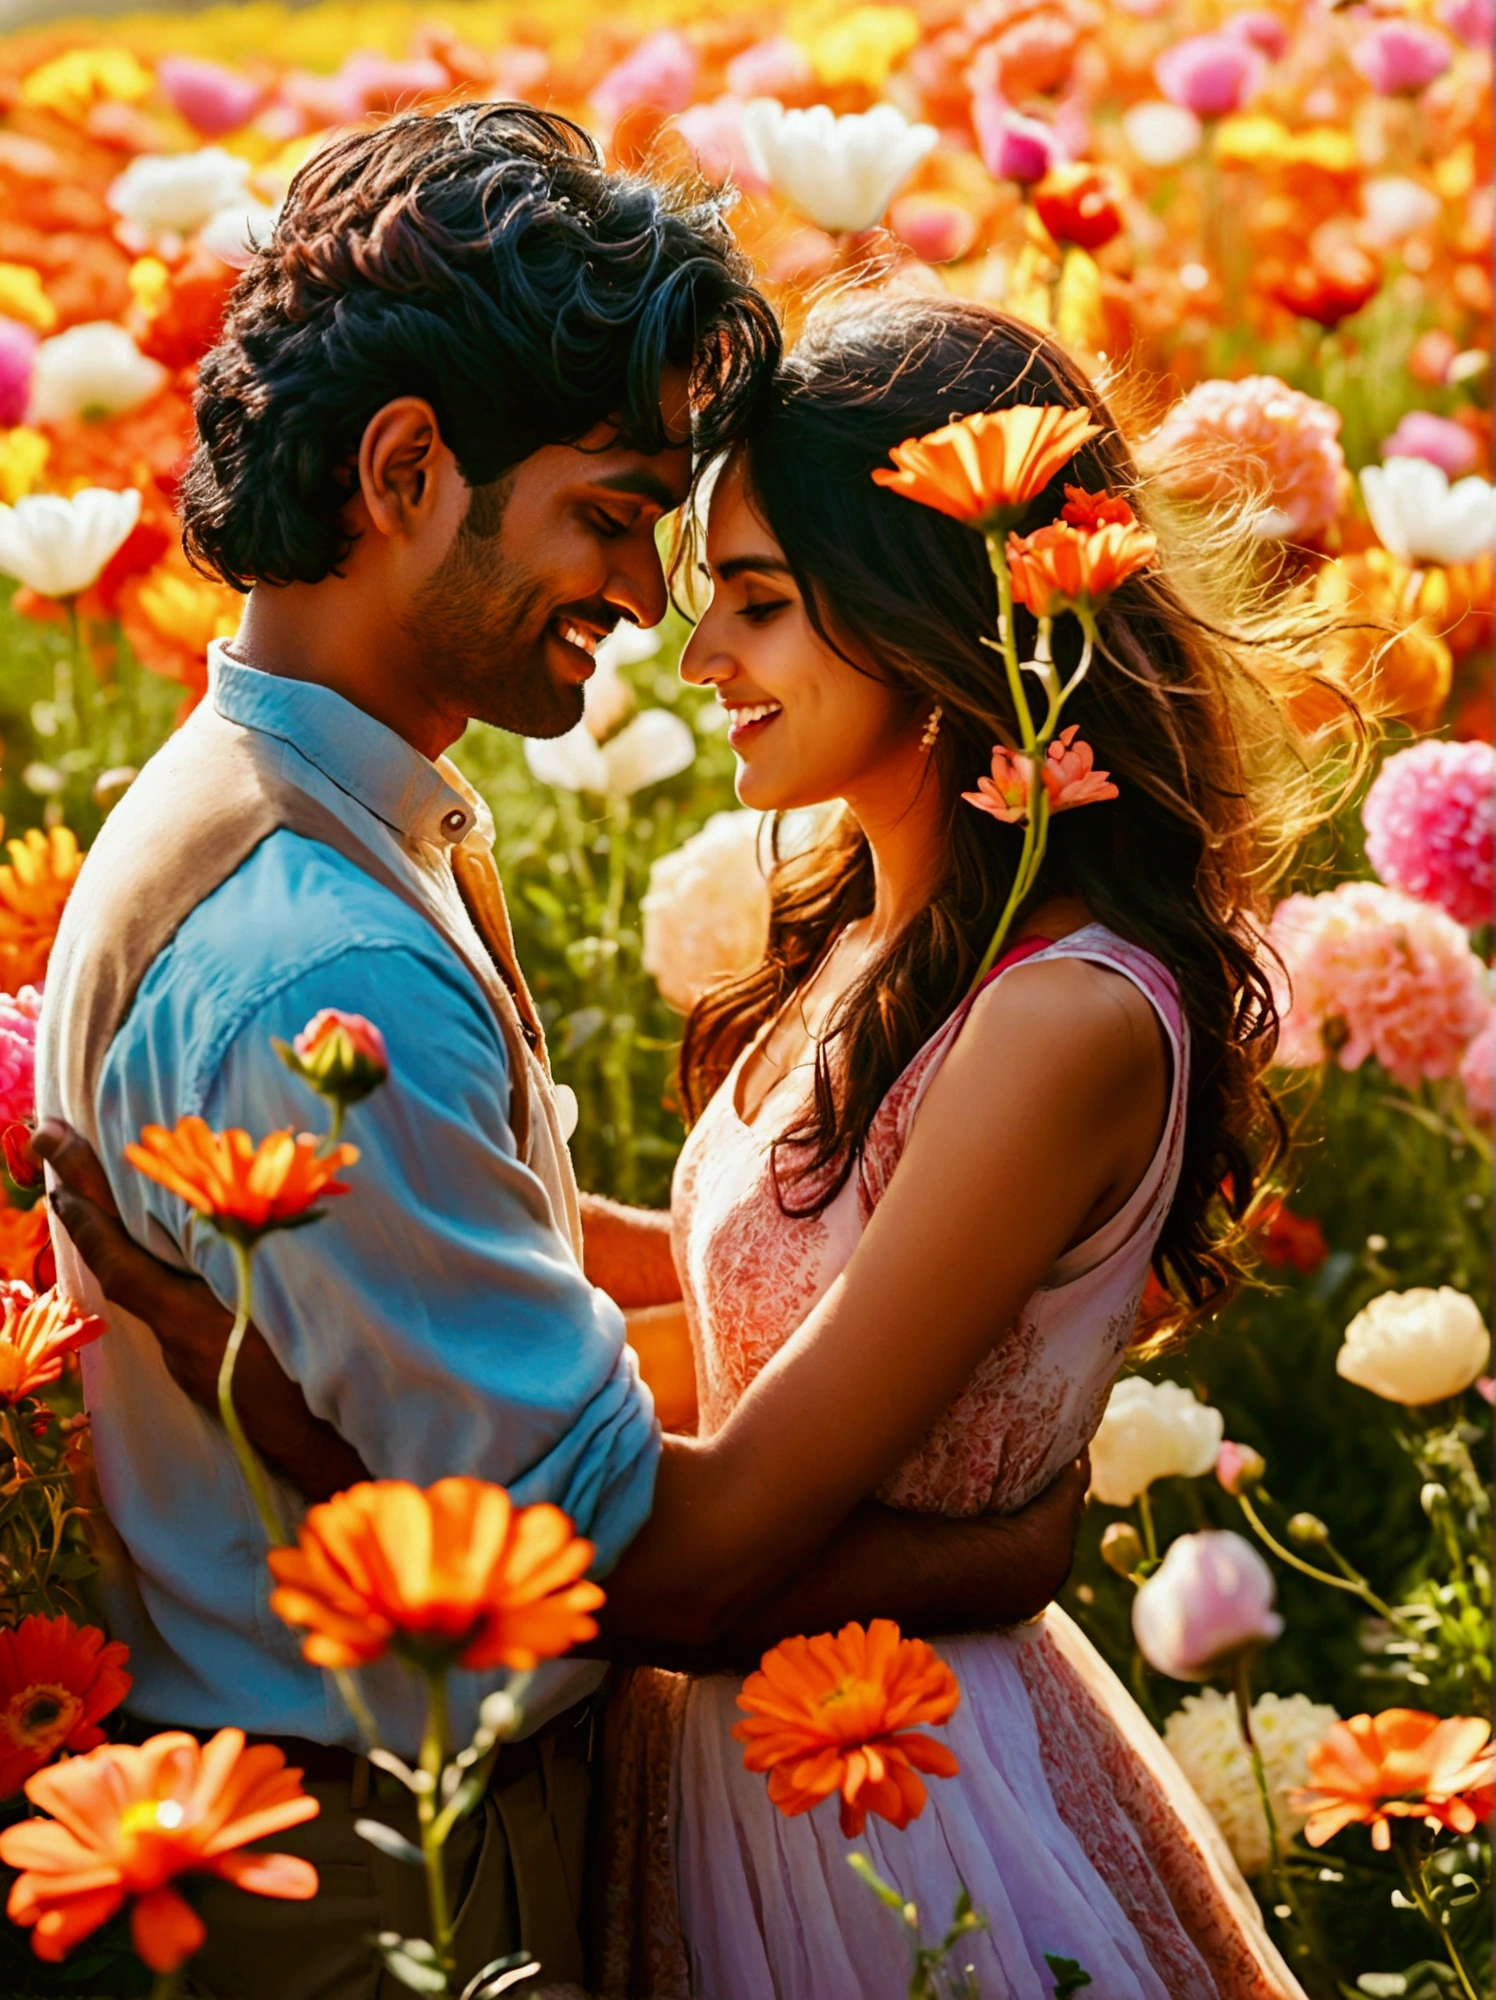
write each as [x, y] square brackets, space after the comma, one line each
[805, 725]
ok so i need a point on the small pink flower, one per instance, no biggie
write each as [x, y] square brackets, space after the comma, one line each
[1472, 20]
[1006, 793]
[1440, 440]
[17, 352]
[937, 228]
[1238, 1467]
[215, 101]
[1400, 58]
[1013, 148]
[1069, 779]
[775, 68]
[1261, 29]
[1476, 1075]
[1428, 820]
[1211, 75]
[660, 72]
[714, 132]
[1210, 1599]
[19, 1013]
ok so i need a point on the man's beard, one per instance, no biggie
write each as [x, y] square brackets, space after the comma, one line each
[482, 622]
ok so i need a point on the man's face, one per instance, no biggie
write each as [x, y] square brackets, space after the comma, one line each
[548, 559]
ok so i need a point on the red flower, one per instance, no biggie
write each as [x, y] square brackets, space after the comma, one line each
[1285, 1238]
[1080, 204]
[56, 1680]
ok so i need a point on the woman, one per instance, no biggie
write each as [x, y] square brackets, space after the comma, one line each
[852, 1183]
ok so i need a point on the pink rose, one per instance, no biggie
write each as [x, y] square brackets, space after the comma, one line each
[1440, 440]
[1400, 58]
[18, 1017]
[17, 351]
[215, 101]
[1013, 148]
[1211, 75]
[1209, 1599]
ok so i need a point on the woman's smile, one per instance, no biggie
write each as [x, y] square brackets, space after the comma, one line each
[747, 721]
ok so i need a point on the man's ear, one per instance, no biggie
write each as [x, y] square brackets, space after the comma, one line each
[401, 460]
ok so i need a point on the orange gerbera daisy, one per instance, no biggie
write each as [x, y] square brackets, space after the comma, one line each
[23, 1234]
[35, 1333]
[34, 888]
[456, 1573]
[127, 1821]
[56, 1680]
[832, 1714]
[1401, 1764]
[1070, 778]
[981, 468]
[245, 1190]
[1062, 565]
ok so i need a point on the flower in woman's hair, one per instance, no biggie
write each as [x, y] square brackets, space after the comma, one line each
[245, 1190]
[127, 1821]
[1401, 1764]
[1416, 1347]
[1372, 972]
[342, 1056]
[1096, 510]
[1428, 825]
[1250, 435]
[834, 1714]
[1005, 794]
[36, 1332]
[1061, 566]
[454, 1574]
[56, 1680]
[1070, 779]
[1081, 203]
[1205, 1737]
[1209, 1600]
[19, 1014]
[981, 468]
[1476, 1074]
[34, 887]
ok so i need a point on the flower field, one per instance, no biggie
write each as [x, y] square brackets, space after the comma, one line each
[1265, 230]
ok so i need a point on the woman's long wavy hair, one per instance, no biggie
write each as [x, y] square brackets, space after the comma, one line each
[1184, 706]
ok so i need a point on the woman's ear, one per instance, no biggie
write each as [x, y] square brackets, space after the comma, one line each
[402, 462]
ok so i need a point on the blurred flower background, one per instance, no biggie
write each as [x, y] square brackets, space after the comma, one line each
[1266, 231]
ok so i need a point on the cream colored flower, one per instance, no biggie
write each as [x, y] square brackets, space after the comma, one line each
[840, 173]
[58, 547]
[655, 745]
[609, 697]
[1416, 1347]
[1421, 517]
[1162, 134]
[176, 193]
[1205, 1737]
[706, 912]
[93, 367]
[236, 232]
[1151, 1430]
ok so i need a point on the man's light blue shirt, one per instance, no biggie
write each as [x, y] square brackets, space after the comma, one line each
[436, 1315]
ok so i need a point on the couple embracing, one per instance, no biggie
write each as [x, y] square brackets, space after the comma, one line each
[453, 400]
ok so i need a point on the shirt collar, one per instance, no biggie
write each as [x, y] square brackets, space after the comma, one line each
[384, 773]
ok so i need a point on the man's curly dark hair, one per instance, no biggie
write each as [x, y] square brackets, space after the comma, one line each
[481, 258]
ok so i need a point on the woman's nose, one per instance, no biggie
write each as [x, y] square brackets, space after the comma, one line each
[703, 662]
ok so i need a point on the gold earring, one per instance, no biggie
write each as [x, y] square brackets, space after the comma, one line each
[932, 730]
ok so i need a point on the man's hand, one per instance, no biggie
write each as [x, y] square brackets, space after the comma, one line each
[190, 1325]
[626, 1252]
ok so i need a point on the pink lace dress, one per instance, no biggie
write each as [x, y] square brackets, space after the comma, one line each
[1069, 1824]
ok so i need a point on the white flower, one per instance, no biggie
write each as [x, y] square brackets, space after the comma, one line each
[57, 547]
[571, 762]
[609, 698]
[840, 173]
[1420, 517]
[1205, 1737]
[706, 911]
[1396, 208]
[96, 366]
[1162, 134]
[1211, 1596]
[656, 745]
[1416, 1347]
[235, 233]
[1151, 1430]
[178, 192]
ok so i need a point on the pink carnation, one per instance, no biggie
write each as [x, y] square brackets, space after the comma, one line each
[1371, 972]
[1476, 1074]
[18, 1017]
[1428, 826]
[1256, 433]
[1440, 440]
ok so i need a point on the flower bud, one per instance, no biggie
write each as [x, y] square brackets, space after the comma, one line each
[1122, 1548]
[342, 1056]
[1432, 1496]
[1307, 1528]
[1239, 1468]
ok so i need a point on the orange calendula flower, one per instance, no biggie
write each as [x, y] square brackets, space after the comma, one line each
[983, 467]
[1401, 1764]
[34, 888]
[127, 1821]
[1070, 778]
[833, 1714]
[1095, 510]
[56, 1680]
[454, 1573]
[1061, 565]
[244, 1189]
[35, 1334]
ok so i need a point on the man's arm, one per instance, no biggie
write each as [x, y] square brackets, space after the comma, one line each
[626, 1252]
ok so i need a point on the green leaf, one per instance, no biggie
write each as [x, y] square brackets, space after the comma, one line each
[389, 1842]
[1069, 1975]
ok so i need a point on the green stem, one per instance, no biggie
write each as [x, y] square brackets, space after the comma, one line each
[335, 1130]
[1242, 1688]
[346, 1682]
[435, 1826]
[1354, 1582]
[1145, 1515]
[255, 1476]
[166, 1984]
[1412, 1870]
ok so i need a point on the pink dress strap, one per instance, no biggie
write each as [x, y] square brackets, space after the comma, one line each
[1014, 955]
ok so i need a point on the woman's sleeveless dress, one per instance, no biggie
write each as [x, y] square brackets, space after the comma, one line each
[1070, 1825]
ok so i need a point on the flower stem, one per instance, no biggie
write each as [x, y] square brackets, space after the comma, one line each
[1242, 1688]
[1353, 1581]
[165, 1985]
[435, 1826]
[1145, 1515]
[335, 1129]
[1412, 1871]
[255, 1476]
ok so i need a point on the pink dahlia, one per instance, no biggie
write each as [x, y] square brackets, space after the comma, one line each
[1372, 972]
[1256, 435]
[1476, 1074]
[18, 1018]
[1428, 826]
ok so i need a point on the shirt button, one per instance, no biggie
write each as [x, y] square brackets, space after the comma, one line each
[454, 824]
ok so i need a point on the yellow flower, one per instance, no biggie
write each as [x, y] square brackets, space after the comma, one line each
[23, 459]
[862, 46]
[23, 297]
[72, 84]
[190, 610]
[1256, 139]
[33, 890]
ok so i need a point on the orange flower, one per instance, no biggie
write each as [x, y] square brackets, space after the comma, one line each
[35, 1334]
[1391, 656]
[56, 1680]
[23, 1236]
[34, 887]
[1327, 286]
[1095, 510]
[832, 1714]
[1059, 566]
[454, 1573]
[126, 1822]
[980, 468]
[245, 1190]
[1070, 778]
[1401, 1764]
[1080, 204]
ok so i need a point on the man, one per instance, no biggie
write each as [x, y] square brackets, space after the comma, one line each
[452, 400]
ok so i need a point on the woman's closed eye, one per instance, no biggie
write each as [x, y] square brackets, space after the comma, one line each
[763, 609]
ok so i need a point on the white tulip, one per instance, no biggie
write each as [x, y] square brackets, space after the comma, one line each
[178, 192]
[706, 911]
[235, 233]
[1205, 1737]
[1421, 518]
[96, 366]
[1396, 208]
[573, 762]
[1162, 134]
[609, 698]
[1210, 1597]
[656, 745]
[1151, 1430]
[1417, 1346]
[58, 547]
[840, 173]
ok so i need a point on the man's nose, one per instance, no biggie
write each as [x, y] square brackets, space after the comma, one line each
[637, 587]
